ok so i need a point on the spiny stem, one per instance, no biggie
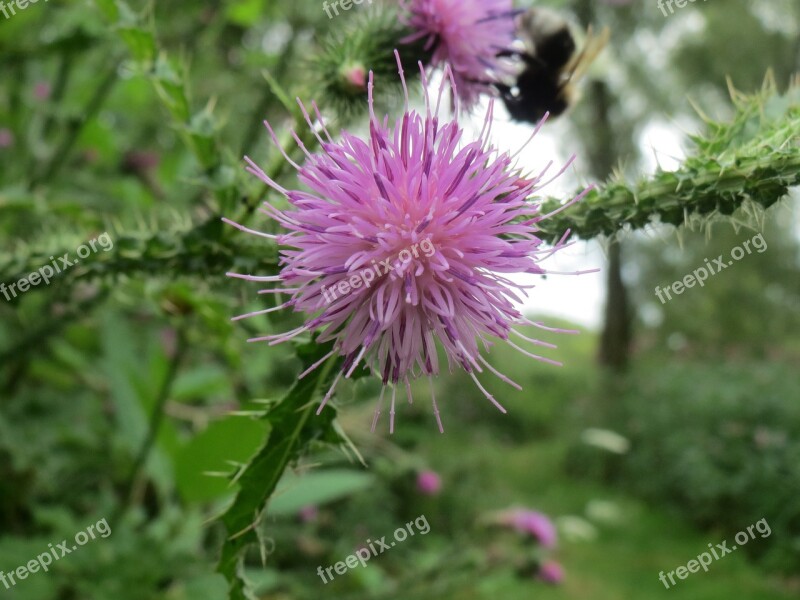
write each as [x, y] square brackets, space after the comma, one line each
[670, 197]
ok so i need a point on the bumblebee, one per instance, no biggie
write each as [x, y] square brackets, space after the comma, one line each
[551, 65]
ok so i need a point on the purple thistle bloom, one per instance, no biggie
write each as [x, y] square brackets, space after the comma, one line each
[531, 522]
[308, 514]
[467, 35]
[6, 138]
[41, 91]
[551, 572]
[429, 483]
[403, 242]
[538, 525]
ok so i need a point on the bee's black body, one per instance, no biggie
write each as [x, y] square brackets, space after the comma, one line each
[543, 84]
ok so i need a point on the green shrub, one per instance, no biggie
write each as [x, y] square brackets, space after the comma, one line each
[720, 445]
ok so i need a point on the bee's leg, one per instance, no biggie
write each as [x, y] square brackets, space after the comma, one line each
[509, 54]
[509, 99]
[505, 90]
[481, 82]
[514, 103]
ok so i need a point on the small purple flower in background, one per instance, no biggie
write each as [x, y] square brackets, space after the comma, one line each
[169, 341]
[6, 138]
[372, 205]
[41, 91]
[140, 160]
[467, 35]
[531, 522]
[308, 514]
[551, 572]
[429, 483]
[142, 164]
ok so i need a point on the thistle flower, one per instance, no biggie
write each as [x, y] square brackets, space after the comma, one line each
[403, 242]
[467, 35]
[41, 91]
[537, 525]
[350, 51]
[308, 514]
[551, 572]
[6, 138]
[429, 483]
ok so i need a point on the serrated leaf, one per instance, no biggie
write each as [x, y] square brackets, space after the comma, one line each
[293, 427]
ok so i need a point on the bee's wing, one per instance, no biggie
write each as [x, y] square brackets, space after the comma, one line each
[526, 30]
[592, 47]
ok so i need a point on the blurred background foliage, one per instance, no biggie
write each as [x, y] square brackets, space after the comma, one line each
[127, 394]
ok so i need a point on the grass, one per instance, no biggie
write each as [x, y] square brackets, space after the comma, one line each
[623, 562]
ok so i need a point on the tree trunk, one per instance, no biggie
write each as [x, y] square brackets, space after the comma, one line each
[615, 341]
[603, 154]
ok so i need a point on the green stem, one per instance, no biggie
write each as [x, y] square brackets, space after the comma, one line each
[671, 197]
[278, 166]
[75, 127]
[59, 87]
[255, 129]
[156, 419]
[16, 358]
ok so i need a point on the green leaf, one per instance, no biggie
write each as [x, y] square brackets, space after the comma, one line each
[137, 38]
[201, 130]
[315, 488]
[169, 81]
[202, 383]
[140, 42]
[233, 439]
[294, 426]
[109, 9]
[245, 12]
